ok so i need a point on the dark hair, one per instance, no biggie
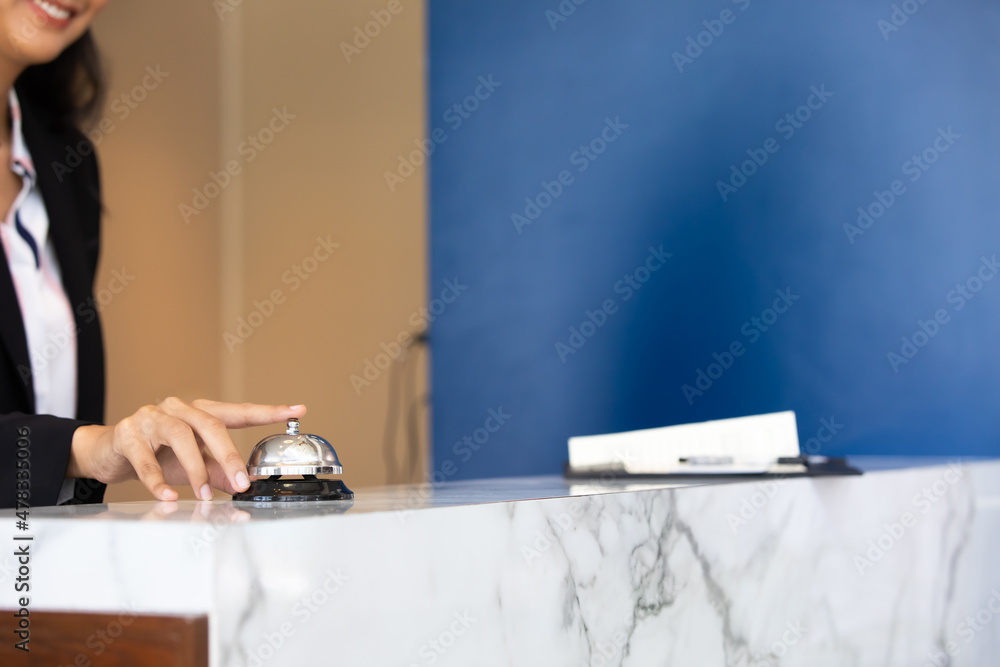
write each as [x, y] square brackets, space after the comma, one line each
[71, 88]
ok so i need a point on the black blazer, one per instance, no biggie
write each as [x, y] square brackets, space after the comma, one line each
[73, 203]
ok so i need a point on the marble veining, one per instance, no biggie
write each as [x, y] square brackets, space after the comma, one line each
[885, 569]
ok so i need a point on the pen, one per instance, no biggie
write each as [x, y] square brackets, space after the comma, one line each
[707, 460]
[729, 460]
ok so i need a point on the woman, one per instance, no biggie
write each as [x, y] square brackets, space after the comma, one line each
[53, 448]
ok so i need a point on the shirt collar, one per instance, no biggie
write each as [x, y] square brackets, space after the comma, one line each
[20, 157]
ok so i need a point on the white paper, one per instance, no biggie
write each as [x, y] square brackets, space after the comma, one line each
[754, 443]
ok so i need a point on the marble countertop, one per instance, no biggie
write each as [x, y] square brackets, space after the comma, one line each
[406, 498]
[881, 569]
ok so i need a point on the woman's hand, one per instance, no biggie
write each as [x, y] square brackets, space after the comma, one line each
[173, 443]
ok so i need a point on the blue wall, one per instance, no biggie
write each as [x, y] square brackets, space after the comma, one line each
[854, 293]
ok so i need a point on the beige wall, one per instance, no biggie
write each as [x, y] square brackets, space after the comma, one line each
[320, 177]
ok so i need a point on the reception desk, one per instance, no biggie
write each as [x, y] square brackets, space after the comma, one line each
[897, 567]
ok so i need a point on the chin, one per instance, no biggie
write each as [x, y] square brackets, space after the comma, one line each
[38, 50]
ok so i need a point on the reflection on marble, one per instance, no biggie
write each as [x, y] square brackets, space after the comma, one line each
[401, 498]
[885, 569]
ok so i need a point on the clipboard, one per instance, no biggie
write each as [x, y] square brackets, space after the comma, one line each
[810, 466]
[752, 447]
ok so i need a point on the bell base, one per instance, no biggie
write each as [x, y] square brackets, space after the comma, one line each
[309, 489]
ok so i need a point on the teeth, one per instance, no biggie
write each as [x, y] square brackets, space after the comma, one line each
[52, 10]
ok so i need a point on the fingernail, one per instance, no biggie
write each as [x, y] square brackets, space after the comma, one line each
[296, 407]
[206, 492]
[168, 495]
[242, 481]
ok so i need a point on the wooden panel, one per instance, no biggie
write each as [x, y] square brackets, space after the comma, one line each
[324, 175]
[82, 640]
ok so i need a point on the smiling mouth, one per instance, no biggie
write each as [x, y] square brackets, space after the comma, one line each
[53, 10]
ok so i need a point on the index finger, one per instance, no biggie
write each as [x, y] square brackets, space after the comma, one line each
[243, 415]
[214, 432]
